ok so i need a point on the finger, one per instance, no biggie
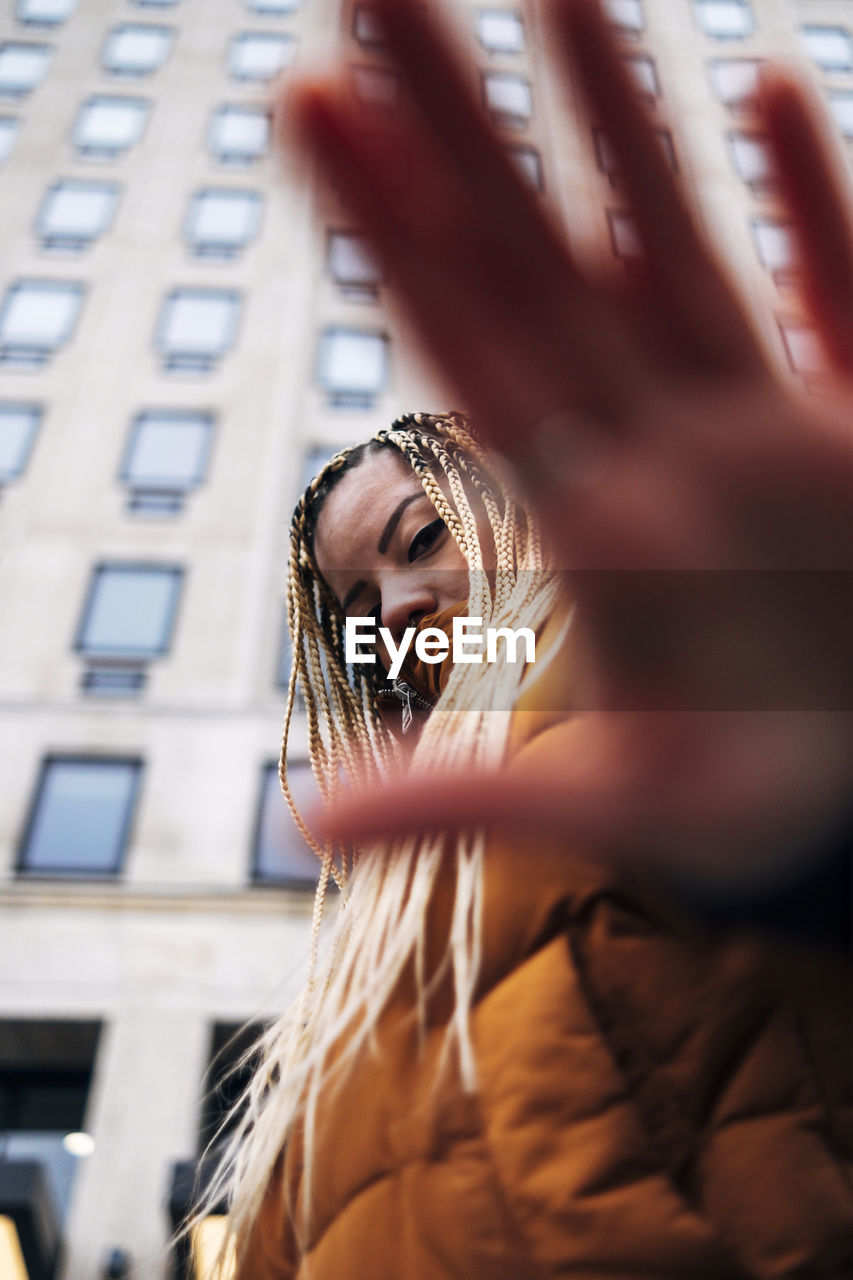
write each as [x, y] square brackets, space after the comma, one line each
[705, 321]
[434, 76]
[714, 797]
[818, 195]
[500, 342]
[426, 264]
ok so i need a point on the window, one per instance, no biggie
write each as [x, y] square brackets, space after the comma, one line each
[136, 50]
[280, 854]
[22, 67]
[627, 14]
[44, 13]
[606, 158]
[841, 106]
[352, 366]
[9, 128]
[166, 457]
[528, 161]
[376, 87]
[37, 317]
[259, 55]
[19, 424]
[725, 19]
[272, 6]
[221, 221]
[625, 239]
[735, 81]
[196, 327]
[803, 348]
[775, 244]
[508, 98]
[500, 31]
[752, 160]
[830, 47]
[129, 611]
[107, 125]
[226, 1080]
[352, 266]
[644, 74]
[238, 135]
[45, 1075]
[365, 26]
[75, 212]
[80, 818]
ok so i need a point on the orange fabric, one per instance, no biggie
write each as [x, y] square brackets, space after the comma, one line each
[652, 1102]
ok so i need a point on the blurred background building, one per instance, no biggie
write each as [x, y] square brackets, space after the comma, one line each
[186, 332]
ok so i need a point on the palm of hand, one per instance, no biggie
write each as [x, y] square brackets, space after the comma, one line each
[700, 505]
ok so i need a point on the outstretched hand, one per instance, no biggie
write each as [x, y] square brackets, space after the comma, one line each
[700, 503]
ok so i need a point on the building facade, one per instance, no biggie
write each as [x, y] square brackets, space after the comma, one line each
[188, 328]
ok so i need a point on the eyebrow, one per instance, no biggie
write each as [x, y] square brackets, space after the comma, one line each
[394, 519]
[382, 545]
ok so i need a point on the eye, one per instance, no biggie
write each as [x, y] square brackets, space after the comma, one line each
[425, 539]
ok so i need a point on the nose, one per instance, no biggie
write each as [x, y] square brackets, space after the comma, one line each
[405, 600]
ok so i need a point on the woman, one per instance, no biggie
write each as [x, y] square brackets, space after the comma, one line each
[514, 1061]
[511, 1061]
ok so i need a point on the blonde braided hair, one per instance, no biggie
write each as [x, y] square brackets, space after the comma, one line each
[380, 929]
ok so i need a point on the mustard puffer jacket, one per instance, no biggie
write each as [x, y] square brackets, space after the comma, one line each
[652, 1101]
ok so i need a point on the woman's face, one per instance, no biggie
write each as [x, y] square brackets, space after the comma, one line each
[382, 549]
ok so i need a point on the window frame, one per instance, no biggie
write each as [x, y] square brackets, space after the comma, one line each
[351, 397]
[481, 15]
[763, 182]
[834, 68]
[284, 39]
[222, 249]
[191, 359]
[12, 134]
[43, 23]
[364, 29]
[136, 656]
[35, 413]
[745, 6]
[293, 882]
[258, 6]
[33, 354]
[744, 103]
[626, 28]
[103, 151]
[782, 272]
[842, 95]
[791, 326]
[358, 289]
[137, 72]
[17, 93]
[135, 766]
[634, 262]
[606, 160]
[169, 495]
[502, 118]
[237, 159]
[521, 152]
[67, 240]
[634, 61]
